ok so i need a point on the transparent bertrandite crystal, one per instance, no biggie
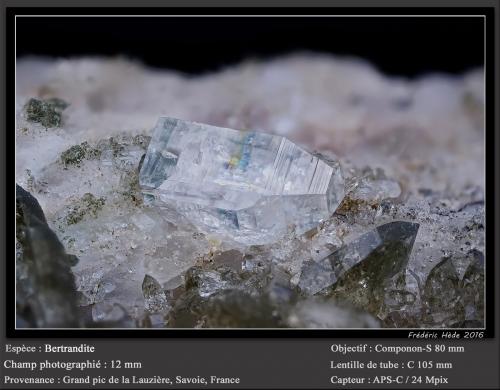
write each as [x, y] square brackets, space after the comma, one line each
[251, 186]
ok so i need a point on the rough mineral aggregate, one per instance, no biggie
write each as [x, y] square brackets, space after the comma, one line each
[412, 150]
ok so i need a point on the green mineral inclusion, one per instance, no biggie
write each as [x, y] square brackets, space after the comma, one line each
[46, 112]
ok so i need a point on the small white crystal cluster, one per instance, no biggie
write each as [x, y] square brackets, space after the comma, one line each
[411, 149]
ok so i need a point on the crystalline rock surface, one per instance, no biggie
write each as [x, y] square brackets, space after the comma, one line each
[99, 246]
[388, 247]
[252, 186]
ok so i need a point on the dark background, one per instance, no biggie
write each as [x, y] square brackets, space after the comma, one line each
[405, 46]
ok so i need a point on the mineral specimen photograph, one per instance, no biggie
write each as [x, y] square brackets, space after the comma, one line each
[250, 172]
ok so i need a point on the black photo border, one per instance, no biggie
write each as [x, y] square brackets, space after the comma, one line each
[491, 255]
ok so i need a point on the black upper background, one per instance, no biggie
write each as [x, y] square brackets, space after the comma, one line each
[406, 46]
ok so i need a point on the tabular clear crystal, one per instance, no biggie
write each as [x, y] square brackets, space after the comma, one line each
[252, 186]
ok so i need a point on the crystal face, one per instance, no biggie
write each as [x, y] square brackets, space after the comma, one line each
[250, 185]
[372, 257]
